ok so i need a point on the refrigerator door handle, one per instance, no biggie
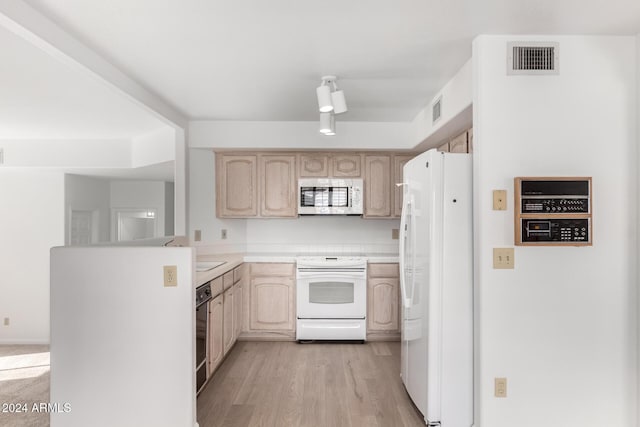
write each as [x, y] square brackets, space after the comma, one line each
[413, 252]
[403, 224]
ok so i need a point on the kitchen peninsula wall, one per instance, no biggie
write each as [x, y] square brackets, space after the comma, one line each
[300, 235]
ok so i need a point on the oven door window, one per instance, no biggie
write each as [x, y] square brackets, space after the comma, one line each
[331, 293]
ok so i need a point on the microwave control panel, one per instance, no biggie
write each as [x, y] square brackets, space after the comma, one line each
[553, 211]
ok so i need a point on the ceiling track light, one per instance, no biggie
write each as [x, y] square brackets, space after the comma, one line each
[327, 124]
[331, 101]
[324, 97]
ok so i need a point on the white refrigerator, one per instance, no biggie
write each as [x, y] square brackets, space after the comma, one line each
[436, 281]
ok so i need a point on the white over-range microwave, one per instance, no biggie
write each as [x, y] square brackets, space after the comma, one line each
[329, 196]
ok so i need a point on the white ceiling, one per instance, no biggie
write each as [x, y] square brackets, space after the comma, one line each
[42, 98]
[259, 60]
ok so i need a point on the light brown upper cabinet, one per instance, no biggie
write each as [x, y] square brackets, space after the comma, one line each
[278, 185]
[264, 184]
[444, 147]
[236, 186]
[346, 165]
[462, 143]
[459, 144]
[314, 165]
[398, 163]
[377, 186]
[330, 165]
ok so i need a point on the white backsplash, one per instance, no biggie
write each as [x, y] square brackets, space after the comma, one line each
[322, 234]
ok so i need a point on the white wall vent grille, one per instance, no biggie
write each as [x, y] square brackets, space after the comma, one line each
[436, 110]
[533, 58]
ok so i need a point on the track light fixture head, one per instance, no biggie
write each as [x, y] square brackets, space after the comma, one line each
[327, 124]
[324, 94]
[331, 101]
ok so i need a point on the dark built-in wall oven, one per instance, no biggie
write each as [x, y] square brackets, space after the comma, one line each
[203, 296]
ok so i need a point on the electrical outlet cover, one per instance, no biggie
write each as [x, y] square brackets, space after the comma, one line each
[170, 275]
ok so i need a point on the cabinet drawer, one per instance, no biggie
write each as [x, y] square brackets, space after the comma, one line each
[383, 270]
[237, 274]
[216, 286]
[227, 280]
[272, 269]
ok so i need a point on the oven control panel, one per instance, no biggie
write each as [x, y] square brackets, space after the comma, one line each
[553, 211]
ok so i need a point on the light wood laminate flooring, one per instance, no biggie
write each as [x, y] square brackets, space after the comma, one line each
[315, 385]
[24, 380]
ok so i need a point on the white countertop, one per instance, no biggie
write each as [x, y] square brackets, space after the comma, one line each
[234, 260]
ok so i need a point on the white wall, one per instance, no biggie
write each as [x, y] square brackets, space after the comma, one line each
[31, 222]
[88, 194]
[560, 326]
[202, 207]
[455, 114]
[67, 153]
[140, 195]
[135, 338]
[336, 234]
[169, 209]
[158, 146]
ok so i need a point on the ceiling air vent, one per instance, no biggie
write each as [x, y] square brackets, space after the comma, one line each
[436, 110]
[532, 58]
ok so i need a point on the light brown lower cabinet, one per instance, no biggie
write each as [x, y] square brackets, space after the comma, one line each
[383, 286]
[216, 350]
[228, 321]
[271, 304]
[225, 316]
[237, 310]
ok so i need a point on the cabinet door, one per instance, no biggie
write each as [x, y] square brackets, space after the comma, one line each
[444, 147]
[278, 186]
[382, 307]
[346, 165]
[237, 310]
[398, 163]
[314, 165]
[272, 304]
[236, 183]
[377, 186]
[459, 144]
[228, 324]
[216, 316]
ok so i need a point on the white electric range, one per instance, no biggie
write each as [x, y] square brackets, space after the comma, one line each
[331, 297]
